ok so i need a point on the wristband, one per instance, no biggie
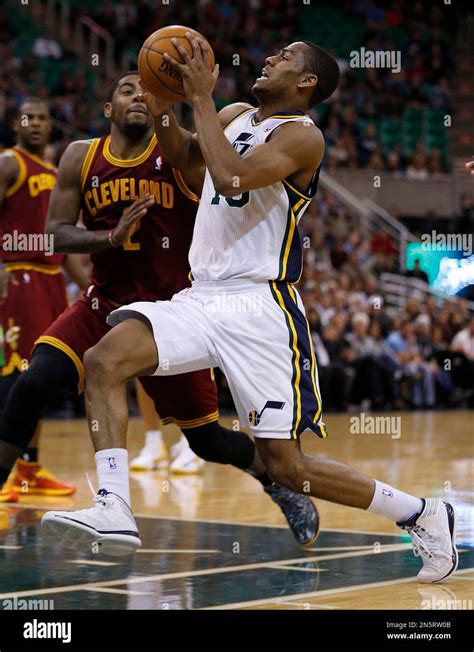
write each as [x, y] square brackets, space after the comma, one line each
[109, 235]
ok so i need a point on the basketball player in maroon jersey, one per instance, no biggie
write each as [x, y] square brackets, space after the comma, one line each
[32, 289]
[139, 216]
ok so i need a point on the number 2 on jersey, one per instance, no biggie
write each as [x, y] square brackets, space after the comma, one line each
[128, 245]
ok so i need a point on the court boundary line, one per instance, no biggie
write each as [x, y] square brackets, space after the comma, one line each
[197, 573]
[301, 596]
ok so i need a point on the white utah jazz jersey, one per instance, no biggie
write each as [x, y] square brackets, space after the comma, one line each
[254, 235]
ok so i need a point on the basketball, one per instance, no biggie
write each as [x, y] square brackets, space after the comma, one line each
[158, 76]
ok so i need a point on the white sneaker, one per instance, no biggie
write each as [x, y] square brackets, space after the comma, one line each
[433, 534]
[184, 460]
[108, 528]
[151, 456]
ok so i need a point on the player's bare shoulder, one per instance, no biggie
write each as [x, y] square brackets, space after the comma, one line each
[9, 167]
[230, 112]
[72, 160]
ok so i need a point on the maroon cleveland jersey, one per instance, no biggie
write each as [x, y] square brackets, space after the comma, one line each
[24, 209]
[154, 264]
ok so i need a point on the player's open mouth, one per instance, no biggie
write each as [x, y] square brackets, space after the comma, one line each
[137, 109]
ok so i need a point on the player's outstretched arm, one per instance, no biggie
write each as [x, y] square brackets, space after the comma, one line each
[65, 207]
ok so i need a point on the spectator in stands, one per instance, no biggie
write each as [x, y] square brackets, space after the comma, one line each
[368, 144]
[462, 347]
[47, 47]
[383, 249]
[394, 163]
[417, 272]
[463, 341]
[417, 169]
[403, 348]
[436, 164]
[376, 161]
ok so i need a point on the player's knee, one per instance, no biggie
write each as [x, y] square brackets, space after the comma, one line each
[213, 443]
[99, 364]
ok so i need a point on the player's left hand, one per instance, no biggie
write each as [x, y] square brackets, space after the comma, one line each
[198, 78]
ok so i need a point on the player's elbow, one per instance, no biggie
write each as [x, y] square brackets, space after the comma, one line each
[229, 186]
[50, 230]
[53, 229]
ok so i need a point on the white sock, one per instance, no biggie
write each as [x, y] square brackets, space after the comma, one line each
[154, 439]
[112, 472]
[394, 504]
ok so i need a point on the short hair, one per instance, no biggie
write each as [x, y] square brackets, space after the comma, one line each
[114, 85]
[319, 62]
[31, 100]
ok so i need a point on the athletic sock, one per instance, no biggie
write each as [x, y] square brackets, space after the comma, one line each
[112, 472]
[154, 439]
[394, 504]
[30, 455]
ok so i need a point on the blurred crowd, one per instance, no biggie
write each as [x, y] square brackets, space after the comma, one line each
[369, 353]
[253, 29]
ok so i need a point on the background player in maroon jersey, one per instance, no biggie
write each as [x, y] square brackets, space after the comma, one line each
[139, 217]
[32, 289]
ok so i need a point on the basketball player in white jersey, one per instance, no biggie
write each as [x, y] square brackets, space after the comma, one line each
[242, 312]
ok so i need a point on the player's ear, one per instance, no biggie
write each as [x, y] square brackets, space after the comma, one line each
[308, 81]
[108, 109]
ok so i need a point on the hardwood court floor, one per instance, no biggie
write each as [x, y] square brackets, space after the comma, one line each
[216, 541]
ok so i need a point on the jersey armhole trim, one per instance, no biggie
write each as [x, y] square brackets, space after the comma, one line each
[298, 192]
[22, 174]
[86, 165]
[184, 188]
[238, 116]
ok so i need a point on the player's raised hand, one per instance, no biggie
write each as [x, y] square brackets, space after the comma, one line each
[130, 220]
[199, 78]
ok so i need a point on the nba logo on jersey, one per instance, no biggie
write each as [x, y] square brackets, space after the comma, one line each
[158, 163]
[112, 463]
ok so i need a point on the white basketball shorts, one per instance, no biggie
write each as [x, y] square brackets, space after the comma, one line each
[257, 334]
